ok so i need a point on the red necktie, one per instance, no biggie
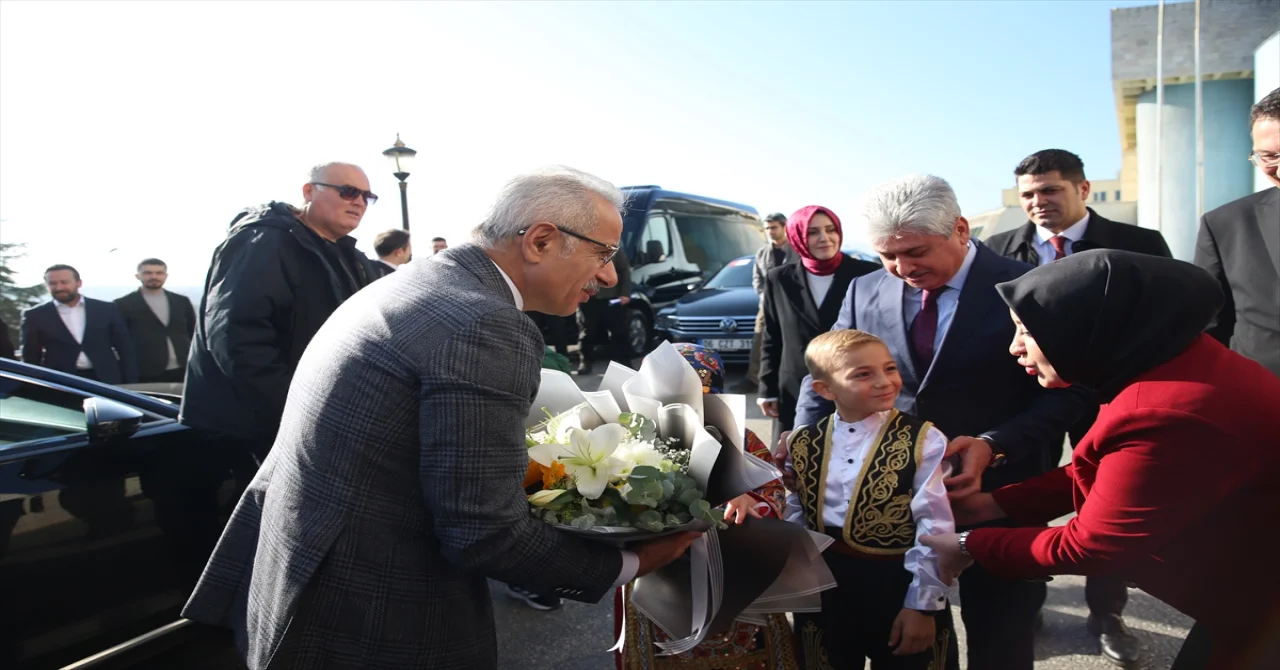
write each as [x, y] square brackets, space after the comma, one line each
[924, 329]
[1059, 247]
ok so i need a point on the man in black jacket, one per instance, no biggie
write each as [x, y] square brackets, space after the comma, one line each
[273, 282]
[606, 312]
[1052, 189]
[160, 324]
[1239, 244]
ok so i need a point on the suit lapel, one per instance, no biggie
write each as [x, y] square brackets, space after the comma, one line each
[894, 332]
[977, 299]
[1268, 211]
[59, 325]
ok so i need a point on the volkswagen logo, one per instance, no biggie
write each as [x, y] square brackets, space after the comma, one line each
[728, 325]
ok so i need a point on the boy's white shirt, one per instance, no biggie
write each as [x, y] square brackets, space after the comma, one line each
[930, 507]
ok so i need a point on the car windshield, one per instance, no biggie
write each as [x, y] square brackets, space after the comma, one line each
[711, 242]
[736, 274]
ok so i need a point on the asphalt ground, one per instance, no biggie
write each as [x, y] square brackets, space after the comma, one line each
[577, 636]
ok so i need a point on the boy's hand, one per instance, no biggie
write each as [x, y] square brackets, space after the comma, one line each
[768, 407]
[912, 633]
[740, 508]
[780, 460]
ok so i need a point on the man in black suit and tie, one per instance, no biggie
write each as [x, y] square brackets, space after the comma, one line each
[1239, 244]
[83, 336]
[935, 306]
[160, 324]
[1053, 191]
[393, 249]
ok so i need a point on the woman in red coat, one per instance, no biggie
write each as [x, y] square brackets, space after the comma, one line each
[1177, 485]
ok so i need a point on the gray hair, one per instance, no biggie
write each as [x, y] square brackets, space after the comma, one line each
[922, 204]
[318, 172]
[559, 195]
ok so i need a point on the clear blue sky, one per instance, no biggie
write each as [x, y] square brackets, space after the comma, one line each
[144, 127]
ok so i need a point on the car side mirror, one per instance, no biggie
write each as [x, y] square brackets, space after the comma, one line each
[108, 420]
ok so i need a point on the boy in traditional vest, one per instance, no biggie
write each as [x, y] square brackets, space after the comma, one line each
[871, 477]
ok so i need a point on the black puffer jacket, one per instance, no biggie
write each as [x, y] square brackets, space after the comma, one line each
[271, 285]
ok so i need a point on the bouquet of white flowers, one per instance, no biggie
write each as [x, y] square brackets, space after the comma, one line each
[647, 455]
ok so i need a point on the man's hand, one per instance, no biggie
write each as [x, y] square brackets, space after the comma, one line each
[624, 299]
[912, 633]
[769, 407]
[740, 508]
[655, 554]
[951, 561]
[780, 460]
[976, 509]
[975, 456]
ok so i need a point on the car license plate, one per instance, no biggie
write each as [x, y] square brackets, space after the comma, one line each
[727, 345]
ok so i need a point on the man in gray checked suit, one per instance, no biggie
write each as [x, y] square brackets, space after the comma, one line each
[393, 488]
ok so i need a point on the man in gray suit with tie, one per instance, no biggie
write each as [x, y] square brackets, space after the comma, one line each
[394, 486]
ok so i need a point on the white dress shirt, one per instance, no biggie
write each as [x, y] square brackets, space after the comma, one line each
[1073, 234]
[948, 300]
[74, 318]
[930, 509]
[630, 562]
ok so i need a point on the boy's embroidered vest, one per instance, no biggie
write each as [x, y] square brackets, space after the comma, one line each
[879, 519]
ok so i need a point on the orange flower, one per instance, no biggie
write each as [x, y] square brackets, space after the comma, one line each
[547, 475]
[552, 474]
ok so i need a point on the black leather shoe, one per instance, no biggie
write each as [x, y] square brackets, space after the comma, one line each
[1119, 645]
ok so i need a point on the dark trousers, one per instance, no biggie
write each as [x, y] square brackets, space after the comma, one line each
[1106, 595]
[87, 374]
[999, 619]
[857, 619]
[605, 323]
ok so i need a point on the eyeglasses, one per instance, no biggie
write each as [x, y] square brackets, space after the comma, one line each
[610, 250]
[350, 193]
[1264, 160]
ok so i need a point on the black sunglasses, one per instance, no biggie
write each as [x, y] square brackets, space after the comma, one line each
[610, 250]
[350, 193]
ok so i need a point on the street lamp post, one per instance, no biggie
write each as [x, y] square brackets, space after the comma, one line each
[401, 158]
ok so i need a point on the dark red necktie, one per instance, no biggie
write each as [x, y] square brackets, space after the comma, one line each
[924, 329]
[1059, 247]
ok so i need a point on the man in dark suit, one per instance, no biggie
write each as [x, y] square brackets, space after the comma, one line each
[83, 336]
[394, 487]
[1053, 191]
[160, 324]
[1239, 244]
[935, 306]
[393, 248]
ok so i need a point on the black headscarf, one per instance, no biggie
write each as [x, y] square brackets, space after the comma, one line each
[1103, 317]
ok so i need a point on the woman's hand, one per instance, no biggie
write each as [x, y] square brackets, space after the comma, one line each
[740, 508]
[912, 633]
[951, 561]
[975, 509]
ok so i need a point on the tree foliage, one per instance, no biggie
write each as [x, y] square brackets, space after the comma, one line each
[14, 298]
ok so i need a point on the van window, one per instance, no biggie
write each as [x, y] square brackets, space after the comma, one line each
[711, 242]
[655, 241]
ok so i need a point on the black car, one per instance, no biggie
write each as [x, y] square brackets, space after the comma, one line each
[719, 315]
[109, 510]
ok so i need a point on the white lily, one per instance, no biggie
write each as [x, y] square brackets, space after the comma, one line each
[544, 498]
[588, 457]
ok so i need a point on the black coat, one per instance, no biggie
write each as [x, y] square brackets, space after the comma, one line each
[270, 287]
[791, 320]
[1020, 243]
[106, 343]
[1239, 244]
[6, 344]
[151, 338]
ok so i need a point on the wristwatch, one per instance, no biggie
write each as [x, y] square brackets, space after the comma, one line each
[964, 543]
[997, 454]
